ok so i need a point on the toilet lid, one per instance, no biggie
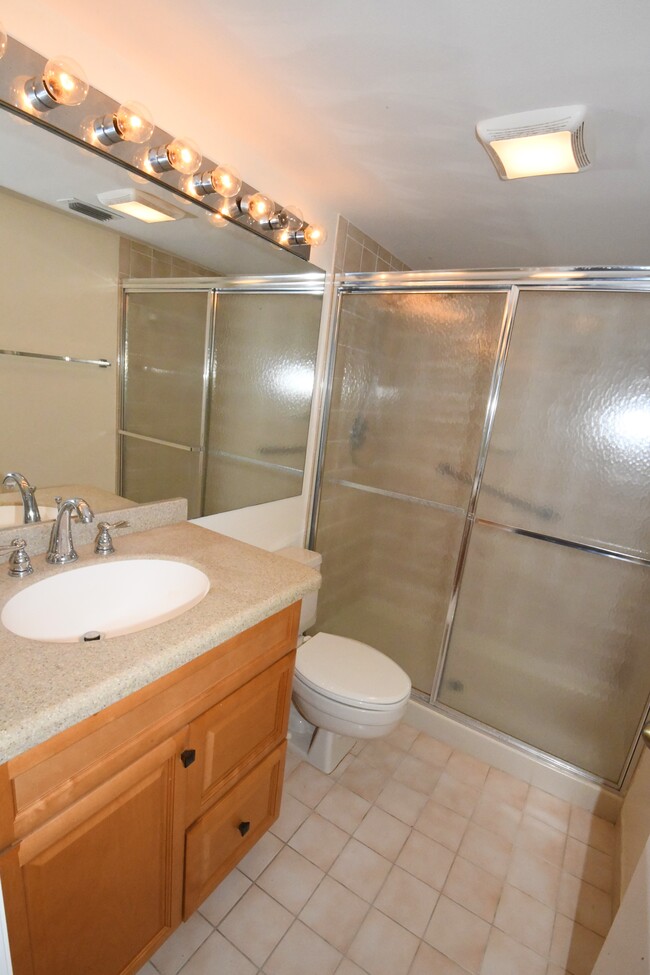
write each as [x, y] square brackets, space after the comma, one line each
[347, 670]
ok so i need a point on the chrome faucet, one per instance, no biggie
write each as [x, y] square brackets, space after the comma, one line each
[30, 508]
[61, 549]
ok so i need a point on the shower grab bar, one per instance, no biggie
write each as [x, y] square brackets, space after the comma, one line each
[102, 363]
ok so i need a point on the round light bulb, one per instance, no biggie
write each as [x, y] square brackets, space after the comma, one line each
[294, 219]
[260, 207]
[184, 156]
[3, 41]
[225, 181]
[134, 122]
[217, 219]
[315, 235]
[65, 81]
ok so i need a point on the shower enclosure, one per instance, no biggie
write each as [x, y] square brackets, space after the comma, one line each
[482, 500]
[216, 379]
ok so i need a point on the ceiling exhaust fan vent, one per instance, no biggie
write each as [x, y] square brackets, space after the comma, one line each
[96, 213]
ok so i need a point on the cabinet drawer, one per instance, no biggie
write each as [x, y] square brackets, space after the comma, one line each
[234, 734]
[220, 838]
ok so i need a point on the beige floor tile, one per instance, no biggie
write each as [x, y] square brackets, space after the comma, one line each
[458, 934]
[504, 956]
[335, 913]
[147, 969]
[417, 774]
[383, 833]
[585, 904]
[442, 824]
[181, 945]
[468, 770]
[308, 784]
[345, 763]
[382, 947]
[290, 879]
[381, 755]
[574, 947]
[319, 840]
[498, 817]
[293, 813]
[554, 969]
[299, 946]
[486, 850]
[343, 808]
[592, 830]
[540, 839]
[426, 859]
[361, 870]
[551, 810]
[256, 925]
[429, 750]
[259, 856]
[534, 876]
[215, 907]
[292, 761]
[473, 888]
[404, 803]
[456, 795]
[407, 900]
[363, 779]
[589, 864]
[403, 736]
[429, 961]
[348, 967]
[506, 788]
[525, 919]
[217, 954]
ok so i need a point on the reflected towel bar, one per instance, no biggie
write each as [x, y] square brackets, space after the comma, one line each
[102, 363]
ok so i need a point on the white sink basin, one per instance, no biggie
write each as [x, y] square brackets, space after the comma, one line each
[111, 598]
[12, 515]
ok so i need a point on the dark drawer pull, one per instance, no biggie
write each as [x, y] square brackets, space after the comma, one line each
[244, 828]
[188, 757]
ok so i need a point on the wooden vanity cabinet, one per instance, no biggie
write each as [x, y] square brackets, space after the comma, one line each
[99, 869]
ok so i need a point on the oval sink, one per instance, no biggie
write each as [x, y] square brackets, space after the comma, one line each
[12, 515]
[109, 599]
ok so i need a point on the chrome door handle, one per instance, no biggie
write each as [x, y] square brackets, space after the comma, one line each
[645, 734]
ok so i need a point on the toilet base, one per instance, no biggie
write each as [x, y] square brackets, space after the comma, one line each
[322, 749]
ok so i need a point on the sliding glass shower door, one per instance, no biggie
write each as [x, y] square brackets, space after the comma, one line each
[410, 392]
[550, 638]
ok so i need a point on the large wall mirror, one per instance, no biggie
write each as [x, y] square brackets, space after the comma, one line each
[188, 315]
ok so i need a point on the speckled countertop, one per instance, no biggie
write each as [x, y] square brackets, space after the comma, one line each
[47, 687]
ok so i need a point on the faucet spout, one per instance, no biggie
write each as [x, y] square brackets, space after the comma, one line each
[61, 548]
[30, 508]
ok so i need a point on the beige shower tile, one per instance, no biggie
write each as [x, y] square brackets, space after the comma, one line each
[382, 947]
[343, 808]
[525, 919]
[335, 913]
[426, 859]
[473, 888]
[442, 824]
[407, 900]
[458, 934]
[319, 841]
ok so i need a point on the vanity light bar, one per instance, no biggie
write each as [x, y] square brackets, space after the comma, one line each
[127, 131]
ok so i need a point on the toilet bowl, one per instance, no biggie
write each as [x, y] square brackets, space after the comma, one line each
[343, 690]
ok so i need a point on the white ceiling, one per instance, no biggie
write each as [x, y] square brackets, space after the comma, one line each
[377, 103]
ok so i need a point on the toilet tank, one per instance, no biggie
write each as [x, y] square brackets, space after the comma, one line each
[310, 599]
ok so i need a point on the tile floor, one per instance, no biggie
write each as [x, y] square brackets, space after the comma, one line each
[409, 859]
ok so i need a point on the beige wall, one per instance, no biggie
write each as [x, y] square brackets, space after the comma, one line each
[59, 296]
[634, 823]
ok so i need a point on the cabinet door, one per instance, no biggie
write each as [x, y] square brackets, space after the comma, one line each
[234, 734]
[101, 883]
[219, 839]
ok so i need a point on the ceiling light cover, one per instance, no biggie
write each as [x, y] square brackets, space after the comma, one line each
[142, 206]
[540, 143]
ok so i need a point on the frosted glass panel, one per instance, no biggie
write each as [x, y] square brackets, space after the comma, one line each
[164, 357]
[388, 568]
[413, 373]
[570, 450]
[262, 384]
[550, 646]
[152, 471]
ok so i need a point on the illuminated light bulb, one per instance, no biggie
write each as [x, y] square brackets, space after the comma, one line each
[294, 219]
[223, 180]
[183, 155]
[217, 219]
[63, 83]
[283, 238]
[260, 207]
[314, 235]
[3, 41]
[132, 122]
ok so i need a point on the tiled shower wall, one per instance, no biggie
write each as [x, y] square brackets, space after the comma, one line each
[356, 251]
[138, 260]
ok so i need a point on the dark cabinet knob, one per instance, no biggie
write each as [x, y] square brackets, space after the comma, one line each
[244, 828]
[188, 756]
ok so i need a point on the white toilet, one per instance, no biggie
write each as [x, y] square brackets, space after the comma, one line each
[343, 690]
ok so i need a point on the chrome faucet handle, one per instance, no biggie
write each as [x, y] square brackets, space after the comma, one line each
[61, 549]
[31, 514]
[19, 563]
[104, 542]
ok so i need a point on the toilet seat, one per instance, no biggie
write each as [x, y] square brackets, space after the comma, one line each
[351, 673]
